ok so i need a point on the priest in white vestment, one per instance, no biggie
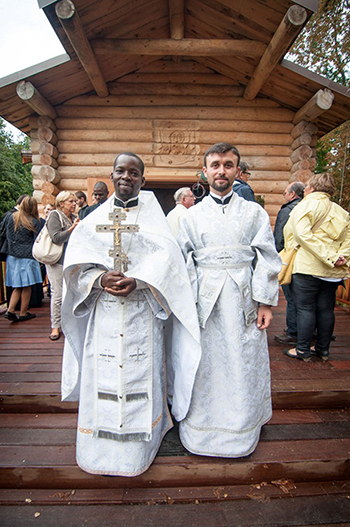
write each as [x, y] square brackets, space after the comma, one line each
[113, 319]
[233, 266]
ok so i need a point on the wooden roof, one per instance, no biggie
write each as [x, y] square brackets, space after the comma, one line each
[114, 39]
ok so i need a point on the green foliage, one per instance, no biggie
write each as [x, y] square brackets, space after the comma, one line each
[15, 178]
[335, 147]
[324, 45]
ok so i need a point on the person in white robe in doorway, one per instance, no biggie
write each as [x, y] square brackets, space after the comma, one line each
[233, 265]
[114, 356]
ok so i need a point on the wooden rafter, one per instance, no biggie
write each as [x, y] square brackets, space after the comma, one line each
[186, 47]
[71, 23]
[319, 103]
[288, 29]
[30, 95]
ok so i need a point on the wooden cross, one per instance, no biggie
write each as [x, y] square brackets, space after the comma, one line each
[120, 258]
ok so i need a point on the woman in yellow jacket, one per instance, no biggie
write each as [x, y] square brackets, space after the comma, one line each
[321, 229]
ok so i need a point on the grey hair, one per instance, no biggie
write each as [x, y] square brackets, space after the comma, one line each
[180, 193]
[298, 188]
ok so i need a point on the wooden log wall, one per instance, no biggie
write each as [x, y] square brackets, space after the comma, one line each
[170, 119]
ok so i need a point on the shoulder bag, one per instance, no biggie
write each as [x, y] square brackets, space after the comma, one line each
[44, 250]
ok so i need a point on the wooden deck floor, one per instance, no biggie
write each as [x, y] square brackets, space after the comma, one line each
[304, 452]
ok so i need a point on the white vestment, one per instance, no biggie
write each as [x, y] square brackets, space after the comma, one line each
[175, 216]
[233, 266]
[114, 354]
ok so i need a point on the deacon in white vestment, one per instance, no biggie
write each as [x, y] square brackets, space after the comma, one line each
[233, 266]
[114, 357]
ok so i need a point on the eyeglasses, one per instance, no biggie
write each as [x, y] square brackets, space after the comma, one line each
[247, 173]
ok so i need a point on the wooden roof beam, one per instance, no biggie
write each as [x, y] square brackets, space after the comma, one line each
[286, 32]
[30, 95]
[319, 103]
[71, 23]
[185, 47]
[177, 19]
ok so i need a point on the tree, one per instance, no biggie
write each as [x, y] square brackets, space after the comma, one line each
[324, 47]
[15, 178]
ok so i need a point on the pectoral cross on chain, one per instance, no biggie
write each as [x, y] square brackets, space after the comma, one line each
[120, 258]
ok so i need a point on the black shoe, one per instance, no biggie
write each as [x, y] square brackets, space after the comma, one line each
[284, 338]
[296, 354]
[323, 355]
[11, 316]
[28, 316]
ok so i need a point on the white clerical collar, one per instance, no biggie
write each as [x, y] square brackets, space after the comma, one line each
[223, 199]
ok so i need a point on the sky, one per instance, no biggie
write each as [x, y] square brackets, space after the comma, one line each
[26, 38]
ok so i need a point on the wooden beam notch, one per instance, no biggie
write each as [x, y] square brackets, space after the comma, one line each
[286, 32]
[30, 95]
[319, 103]
[71, 23]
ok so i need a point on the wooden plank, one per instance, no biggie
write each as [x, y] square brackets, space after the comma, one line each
[171, 495]
[316, 511]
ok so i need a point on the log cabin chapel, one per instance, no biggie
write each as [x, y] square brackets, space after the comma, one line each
[166, 79]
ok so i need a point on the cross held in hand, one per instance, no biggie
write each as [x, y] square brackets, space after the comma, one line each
[120, 258]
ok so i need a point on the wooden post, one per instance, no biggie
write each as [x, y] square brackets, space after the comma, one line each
[177, 19]
[29, 94]
[319, 103]
[70, 21]
[177, 22]
[286, 32]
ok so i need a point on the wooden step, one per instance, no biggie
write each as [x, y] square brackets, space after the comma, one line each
[299, 511]
[38, 451]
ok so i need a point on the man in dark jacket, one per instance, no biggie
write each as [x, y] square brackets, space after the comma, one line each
[292, 195]
[100, 194]
[240, 185]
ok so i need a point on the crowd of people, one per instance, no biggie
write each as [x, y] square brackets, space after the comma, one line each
[167, 316]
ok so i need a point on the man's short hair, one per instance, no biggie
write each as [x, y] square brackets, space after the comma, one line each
[81, 194]
[244, 166]
[183, 191]
[298, 188]
[221, 148]
[102, 185]
[142, 165]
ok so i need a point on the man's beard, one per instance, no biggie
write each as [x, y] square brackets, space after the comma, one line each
[220, 187]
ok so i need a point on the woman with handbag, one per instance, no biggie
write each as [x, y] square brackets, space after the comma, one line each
[60, 224]
[22, 271]
[321, 228]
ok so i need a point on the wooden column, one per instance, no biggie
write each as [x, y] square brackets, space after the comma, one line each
[303, 156]
[286, 32]
[45, 175]
[70, 21]
[30, 95]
